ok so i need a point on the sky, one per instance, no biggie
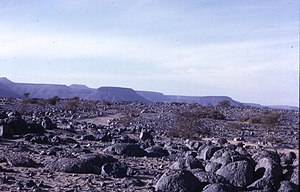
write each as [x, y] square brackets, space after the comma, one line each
[248, 50]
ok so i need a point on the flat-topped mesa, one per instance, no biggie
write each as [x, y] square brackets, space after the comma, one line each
[17, 90]
[116, 94]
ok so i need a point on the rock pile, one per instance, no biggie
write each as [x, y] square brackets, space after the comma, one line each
[52, 149]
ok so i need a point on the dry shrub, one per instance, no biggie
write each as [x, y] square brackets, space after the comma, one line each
[72, 105]
[274, 140]
[267, 120]
[53, 100]
[255, 120]
[243, 119]
[270, 120]
[187, 124]
[87, 106]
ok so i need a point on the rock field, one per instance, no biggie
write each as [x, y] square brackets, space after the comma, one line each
[77, 145]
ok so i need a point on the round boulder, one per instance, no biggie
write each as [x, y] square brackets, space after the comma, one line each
[179, 181]
[239, 173]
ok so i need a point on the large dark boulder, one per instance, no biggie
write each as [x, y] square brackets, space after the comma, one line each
[187, 163]
[268, 173]
[128, 149]
[145, 135]
[207, 152]
[47, 123]
[264, 153]
[14, 125]
[179, 181]
[239, 173]
[115, 169]
[208, 177]
[35, 128]
[21, 160]
[71, 165]
[155, 151]
[82, 164]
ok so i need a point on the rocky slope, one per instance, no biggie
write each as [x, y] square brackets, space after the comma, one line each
[132, 146]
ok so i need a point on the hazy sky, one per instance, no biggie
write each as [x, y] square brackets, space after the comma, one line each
[245, 49]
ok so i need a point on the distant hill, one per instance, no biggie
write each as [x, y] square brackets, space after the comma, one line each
[115, 94]
[42, 90]
[77, 86]
[205, 100]
[7, 92]
[12, 89]
[5, 81]
[284, 107]
[63, 91]
[154, 96]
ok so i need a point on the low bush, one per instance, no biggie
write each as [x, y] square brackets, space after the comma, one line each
[53, 100]
[270, 119]
[72, 105]
[187, 123]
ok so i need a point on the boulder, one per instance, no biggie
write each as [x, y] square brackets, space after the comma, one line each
[187, 163]
[208, 177]
[145, 135]
[288, 158]
[128, 149]
[21, 160]
[193, 145]
[15, 125]
[47, 123]
[219, 187]
[212, 167]
[239, 173]
[208, 152]
[268, 174]
[264, 153]
[83, 164]
[115, 169]
[155, 151]
[179, 181]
